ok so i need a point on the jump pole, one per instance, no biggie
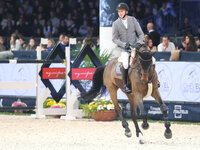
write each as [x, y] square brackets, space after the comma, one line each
[73, 112]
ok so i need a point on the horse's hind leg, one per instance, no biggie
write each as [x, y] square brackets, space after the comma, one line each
[113, 94]
[164, 109]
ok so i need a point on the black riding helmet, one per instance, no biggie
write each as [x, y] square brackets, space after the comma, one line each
[122, 6]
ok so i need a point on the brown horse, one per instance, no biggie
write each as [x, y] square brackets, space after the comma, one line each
[142, 73]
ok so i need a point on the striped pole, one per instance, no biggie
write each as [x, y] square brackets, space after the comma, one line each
[15, 61]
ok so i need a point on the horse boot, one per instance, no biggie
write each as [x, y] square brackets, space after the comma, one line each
[124, 78]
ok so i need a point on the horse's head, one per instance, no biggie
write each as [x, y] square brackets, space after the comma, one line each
[145, 61]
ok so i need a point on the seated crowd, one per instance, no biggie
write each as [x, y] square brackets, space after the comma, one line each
[79, 18]
[152, 40]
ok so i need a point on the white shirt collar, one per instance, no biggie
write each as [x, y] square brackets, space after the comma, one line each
[125, 22]
[151, 30]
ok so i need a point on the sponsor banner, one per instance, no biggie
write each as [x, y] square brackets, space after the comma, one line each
[179, 81]
[82, 73]
[177, 111]
[77, 73]
[53, 73]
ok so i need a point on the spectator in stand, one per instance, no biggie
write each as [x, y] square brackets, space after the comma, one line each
[150, 46]
[9, 29]
[35, 26]
[43, 47]
[2, 47]
[65, 42]
[38, 33]
[198, 44]
[28, 9]
[186, 28]
[83, 30]
[50, 44]
[181, 47]
[189, 43]
[75, 33]
[166, 45]
[54, 20]
[61, 36]
[14, 42]
[62, 28]
[41, 19]
[198, 32]
[153, 35]
[22, 42]
[48, 29]
[149, 43]
[56, 33]
[31, 45]
[20, 26]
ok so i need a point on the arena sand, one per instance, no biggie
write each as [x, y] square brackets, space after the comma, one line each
[26, 133]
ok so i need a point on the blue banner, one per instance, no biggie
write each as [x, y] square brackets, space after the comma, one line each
[177, 111]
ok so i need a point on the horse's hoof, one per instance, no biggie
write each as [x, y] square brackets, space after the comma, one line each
[145, 126]
[168, 134]
[141, 141]
[128, 134]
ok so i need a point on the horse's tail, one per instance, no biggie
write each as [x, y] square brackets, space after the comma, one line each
[97, 85]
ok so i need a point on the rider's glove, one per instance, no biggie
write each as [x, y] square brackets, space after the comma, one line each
[127, 46]
[137, 46]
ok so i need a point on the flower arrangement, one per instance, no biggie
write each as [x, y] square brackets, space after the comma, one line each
[18, 104]
[98, 105]
[51, 103]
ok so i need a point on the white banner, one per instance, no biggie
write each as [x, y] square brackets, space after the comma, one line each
[180, 81]
[24, 73]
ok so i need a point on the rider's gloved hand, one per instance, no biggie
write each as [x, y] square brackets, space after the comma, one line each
[127, 46]
[137, 46]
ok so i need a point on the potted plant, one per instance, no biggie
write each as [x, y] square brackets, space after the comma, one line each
[18, 104]
[51, 103]
[101, 109]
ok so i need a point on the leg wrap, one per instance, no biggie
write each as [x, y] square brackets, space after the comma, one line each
[124, 124]
[163, 108]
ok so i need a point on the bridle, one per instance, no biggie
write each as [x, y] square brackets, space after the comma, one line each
[147, 73]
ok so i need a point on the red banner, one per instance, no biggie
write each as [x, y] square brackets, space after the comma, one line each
[82, 73]
[53, 73]
[77, 73]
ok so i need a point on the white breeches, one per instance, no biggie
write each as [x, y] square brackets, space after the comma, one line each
[125, 59]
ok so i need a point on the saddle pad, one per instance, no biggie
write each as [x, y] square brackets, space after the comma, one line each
[117, 68]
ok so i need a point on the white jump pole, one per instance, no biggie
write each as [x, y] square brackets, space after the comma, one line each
[72, 107]
[39, 103]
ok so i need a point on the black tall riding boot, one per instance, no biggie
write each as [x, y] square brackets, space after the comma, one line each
[124, 78]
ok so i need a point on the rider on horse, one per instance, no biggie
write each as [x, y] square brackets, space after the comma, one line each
[126, 33]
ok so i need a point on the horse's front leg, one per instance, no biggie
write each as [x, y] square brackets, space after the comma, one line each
[164, 110]
[134, 118]
[143, 114]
